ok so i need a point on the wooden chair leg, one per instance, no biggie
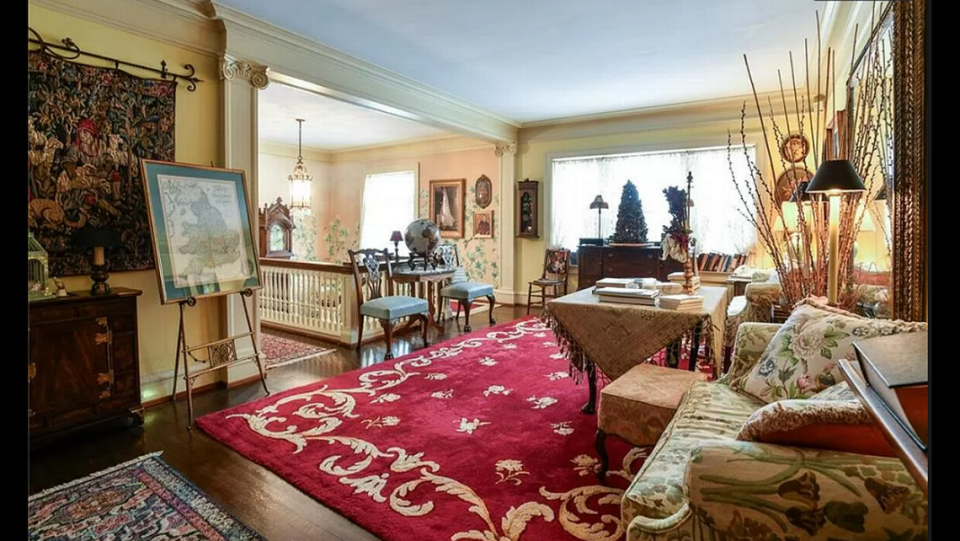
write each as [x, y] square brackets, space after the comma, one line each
[360, 334]
[529, 295]
[600, 444]
[425, 325]
[466, 316]
[459, 306]
[493, 302]
[388, 332]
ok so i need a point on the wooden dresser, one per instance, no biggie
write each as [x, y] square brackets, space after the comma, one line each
[596, 262]
[84, 365]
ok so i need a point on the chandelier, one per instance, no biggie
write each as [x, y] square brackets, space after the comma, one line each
[300, 180]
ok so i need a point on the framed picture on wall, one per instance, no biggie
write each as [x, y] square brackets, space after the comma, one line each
[448, 206]
[202, 230]
[483, 224]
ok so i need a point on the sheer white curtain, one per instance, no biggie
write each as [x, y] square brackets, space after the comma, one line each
[389, 204]
[717, 225]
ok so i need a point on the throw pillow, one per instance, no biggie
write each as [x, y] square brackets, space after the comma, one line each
[801, 360]
[835, 425]
[840, 391]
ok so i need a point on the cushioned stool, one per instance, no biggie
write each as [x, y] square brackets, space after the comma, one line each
[639, 405]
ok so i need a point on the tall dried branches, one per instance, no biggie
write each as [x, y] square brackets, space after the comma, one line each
[800, 252]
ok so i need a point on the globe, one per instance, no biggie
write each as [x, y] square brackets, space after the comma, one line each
[422, 237]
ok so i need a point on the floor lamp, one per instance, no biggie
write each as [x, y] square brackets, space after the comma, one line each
[835, 177]
[599, 204]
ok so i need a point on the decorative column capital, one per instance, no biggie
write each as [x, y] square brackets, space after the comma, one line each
[502, 148]
[231, 68]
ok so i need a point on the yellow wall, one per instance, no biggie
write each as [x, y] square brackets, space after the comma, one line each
[197, 141]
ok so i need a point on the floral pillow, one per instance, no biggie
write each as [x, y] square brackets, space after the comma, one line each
[836, 425]
[801, 360]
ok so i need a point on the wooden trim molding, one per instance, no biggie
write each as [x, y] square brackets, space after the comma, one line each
[909, 209]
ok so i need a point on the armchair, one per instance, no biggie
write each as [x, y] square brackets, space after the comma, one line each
[754, 306]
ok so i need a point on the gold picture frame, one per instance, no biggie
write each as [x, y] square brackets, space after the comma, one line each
[448, 206]
[483, 224]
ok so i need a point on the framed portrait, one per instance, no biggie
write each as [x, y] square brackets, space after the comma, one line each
[483, 224]
[448, 206]
[202, 230]
[484, 191]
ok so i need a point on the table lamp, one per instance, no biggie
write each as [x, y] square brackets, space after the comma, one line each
[99, 239]
[834, 177]
[395, 238]
[599, 204]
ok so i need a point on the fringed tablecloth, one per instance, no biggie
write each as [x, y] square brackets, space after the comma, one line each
[616, 337]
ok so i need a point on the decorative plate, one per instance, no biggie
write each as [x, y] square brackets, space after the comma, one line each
[788, 180]
[795, 148]
[483, 189]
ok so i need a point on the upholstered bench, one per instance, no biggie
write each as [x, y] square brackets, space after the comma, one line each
[639, 405]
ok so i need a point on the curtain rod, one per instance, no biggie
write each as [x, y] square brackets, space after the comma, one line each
[75, 52]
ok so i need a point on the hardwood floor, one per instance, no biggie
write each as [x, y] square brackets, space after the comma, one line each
[262, 500]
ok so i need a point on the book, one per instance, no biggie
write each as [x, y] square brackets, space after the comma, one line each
[625, 292]
[628, 283]
[681, 302]
[617, 299]
[895, 367]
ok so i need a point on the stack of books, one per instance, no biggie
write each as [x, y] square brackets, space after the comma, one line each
[624, 295]
[677, 278]
[626, 283]
[682, 302]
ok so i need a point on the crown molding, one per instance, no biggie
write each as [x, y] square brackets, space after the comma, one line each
[722, 112]
[299, 61]
[410, 148]
[290, 151]
[182, 23]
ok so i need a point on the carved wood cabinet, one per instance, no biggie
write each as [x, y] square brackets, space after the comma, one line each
[596, 262]
[84, 365]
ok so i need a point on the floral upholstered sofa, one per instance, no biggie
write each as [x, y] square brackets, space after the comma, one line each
[703, 483]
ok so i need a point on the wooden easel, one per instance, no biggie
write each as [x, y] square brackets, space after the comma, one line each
[220, 354]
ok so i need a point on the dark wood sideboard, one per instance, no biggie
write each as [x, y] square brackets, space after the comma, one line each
[84, 364]
[596, 262]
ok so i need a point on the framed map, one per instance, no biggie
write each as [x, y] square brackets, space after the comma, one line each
[202, 230]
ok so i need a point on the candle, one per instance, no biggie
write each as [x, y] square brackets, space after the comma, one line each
[98, 259]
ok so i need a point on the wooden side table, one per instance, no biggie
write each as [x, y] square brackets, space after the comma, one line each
[912, 456]
[433, 280]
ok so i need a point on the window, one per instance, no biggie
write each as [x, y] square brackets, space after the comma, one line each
[389, 204]
[715, 218]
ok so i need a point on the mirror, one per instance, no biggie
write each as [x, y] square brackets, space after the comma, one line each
[864, 133]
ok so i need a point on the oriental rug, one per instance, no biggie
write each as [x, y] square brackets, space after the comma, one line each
[480, 437]
[141, 499]
[280, 351]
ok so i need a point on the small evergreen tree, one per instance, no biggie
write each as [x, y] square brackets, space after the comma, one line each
[631, 225]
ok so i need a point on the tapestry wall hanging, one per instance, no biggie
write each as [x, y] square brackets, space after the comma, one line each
[88, 127]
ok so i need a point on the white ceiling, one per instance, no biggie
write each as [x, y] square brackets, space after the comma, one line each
[330, 124]
[533, 60]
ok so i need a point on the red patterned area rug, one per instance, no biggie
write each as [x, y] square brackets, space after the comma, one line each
[141, 499]
[480, 437]
[281, 351]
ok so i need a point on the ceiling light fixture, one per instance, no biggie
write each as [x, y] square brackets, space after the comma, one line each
[301, 181]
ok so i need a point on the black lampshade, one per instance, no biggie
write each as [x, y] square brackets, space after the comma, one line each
[92, 237]
[836, 176]
[882, 194]
[599, 203]
[396, 236]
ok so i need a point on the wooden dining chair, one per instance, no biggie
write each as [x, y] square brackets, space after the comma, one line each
[460, 288]
[556, 267]
[388, 309]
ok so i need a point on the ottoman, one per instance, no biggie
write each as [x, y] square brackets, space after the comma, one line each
[639, 405]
